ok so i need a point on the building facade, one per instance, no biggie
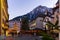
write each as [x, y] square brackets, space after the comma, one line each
[12, 23]
[32, 25]
[4, 17]
[37, 23]
[56, 11]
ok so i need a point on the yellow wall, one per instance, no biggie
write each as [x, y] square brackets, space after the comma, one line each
[4, 16]
[0, 17]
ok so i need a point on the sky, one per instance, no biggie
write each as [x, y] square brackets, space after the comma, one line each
[21, 7]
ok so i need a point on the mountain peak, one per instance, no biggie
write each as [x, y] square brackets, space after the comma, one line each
[40, 10]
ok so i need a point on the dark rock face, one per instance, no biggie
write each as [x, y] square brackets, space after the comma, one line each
[40, 10]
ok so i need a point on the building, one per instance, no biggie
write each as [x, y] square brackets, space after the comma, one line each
[37, 23]
[32, 25]
[56, 12]
[12, 25]
[4, 17]
[56, 16]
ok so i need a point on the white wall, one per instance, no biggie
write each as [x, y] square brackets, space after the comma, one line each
[39, 23]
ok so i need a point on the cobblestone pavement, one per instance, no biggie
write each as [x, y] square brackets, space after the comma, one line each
[24, 37]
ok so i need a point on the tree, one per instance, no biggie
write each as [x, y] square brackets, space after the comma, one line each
[51, 25]
[25, 23]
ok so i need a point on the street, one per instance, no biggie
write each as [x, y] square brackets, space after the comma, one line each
[24, 37]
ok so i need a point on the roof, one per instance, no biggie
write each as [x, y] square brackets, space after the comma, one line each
[57, 6]
[57, 2]
[54, 9]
